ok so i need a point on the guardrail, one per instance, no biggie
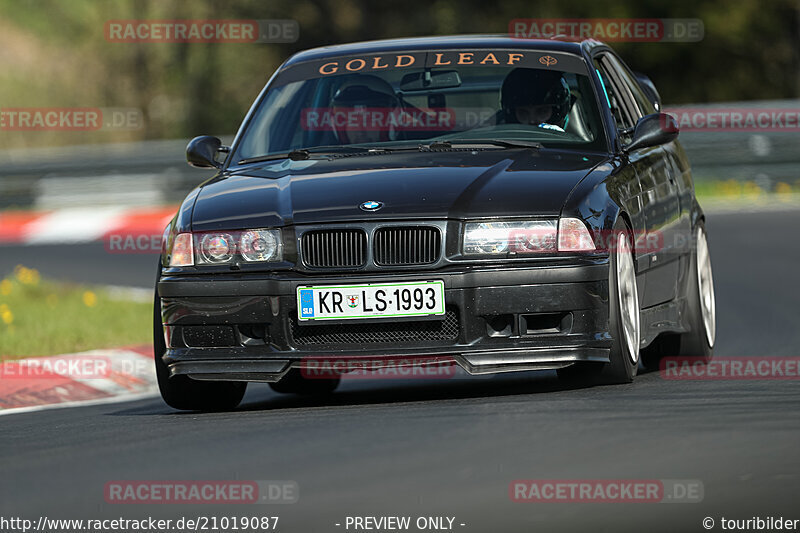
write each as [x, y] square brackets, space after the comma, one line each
[142, 173]
[762, 155]
[155, 172]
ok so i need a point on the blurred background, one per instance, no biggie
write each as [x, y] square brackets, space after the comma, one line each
[55, 54]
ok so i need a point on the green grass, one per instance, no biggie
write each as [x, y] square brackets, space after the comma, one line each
[743, 189]
[42, 317]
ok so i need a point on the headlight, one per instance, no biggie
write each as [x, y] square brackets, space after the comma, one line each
[261, 245]
[217, 248]
[510, 237]
[220, 248]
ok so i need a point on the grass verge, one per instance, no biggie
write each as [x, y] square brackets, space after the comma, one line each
[43, 317]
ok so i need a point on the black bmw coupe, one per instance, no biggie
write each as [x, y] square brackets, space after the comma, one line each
[488, 203]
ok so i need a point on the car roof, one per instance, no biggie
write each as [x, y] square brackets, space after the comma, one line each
[439, 43]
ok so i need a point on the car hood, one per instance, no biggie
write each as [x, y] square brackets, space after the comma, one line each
[453, 184]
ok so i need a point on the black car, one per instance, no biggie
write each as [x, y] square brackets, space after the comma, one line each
[493, 203]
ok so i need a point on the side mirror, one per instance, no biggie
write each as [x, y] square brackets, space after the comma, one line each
[201, 152]
[653, 130]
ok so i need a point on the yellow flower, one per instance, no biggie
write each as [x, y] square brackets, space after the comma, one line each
[89, 299]
[5, 287]
[7, 317]
[27, 276]
[783, 188]
[751, 189]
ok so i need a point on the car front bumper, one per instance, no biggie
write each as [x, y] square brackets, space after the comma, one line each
[243, 327]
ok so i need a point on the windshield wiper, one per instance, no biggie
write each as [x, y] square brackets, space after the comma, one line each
[456, 143]
[302, 154]
[306, 153]
[494, 142]
[294, 155]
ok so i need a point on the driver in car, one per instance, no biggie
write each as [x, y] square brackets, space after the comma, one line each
[367, 104]
[537, 98]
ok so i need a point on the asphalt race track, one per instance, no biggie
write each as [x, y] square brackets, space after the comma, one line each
[449, 447]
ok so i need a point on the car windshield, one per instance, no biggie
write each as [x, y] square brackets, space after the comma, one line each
[391, 100]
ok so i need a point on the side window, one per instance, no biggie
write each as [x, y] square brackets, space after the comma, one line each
[620, 109]
[643, 103]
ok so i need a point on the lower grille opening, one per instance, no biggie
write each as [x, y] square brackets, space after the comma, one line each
[254, 334]
[499, 325]
[546, 323]
[209, 336]
[378, 332]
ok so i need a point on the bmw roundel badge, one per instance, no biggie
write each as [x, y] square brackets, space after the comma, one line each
[371, 205]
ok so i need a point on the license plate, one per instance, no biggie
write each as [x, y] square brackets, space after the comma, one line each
[374, 300]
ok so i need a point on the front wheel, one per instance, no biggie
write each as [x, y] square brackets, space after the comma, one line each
[184, 393]
[701, 313]
[624, 319]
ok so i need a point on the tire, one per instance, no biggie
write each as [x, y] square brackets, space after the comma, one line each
[184, 393]
[624, 316]
[701, 309]
[294, 383]
[699, 340]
